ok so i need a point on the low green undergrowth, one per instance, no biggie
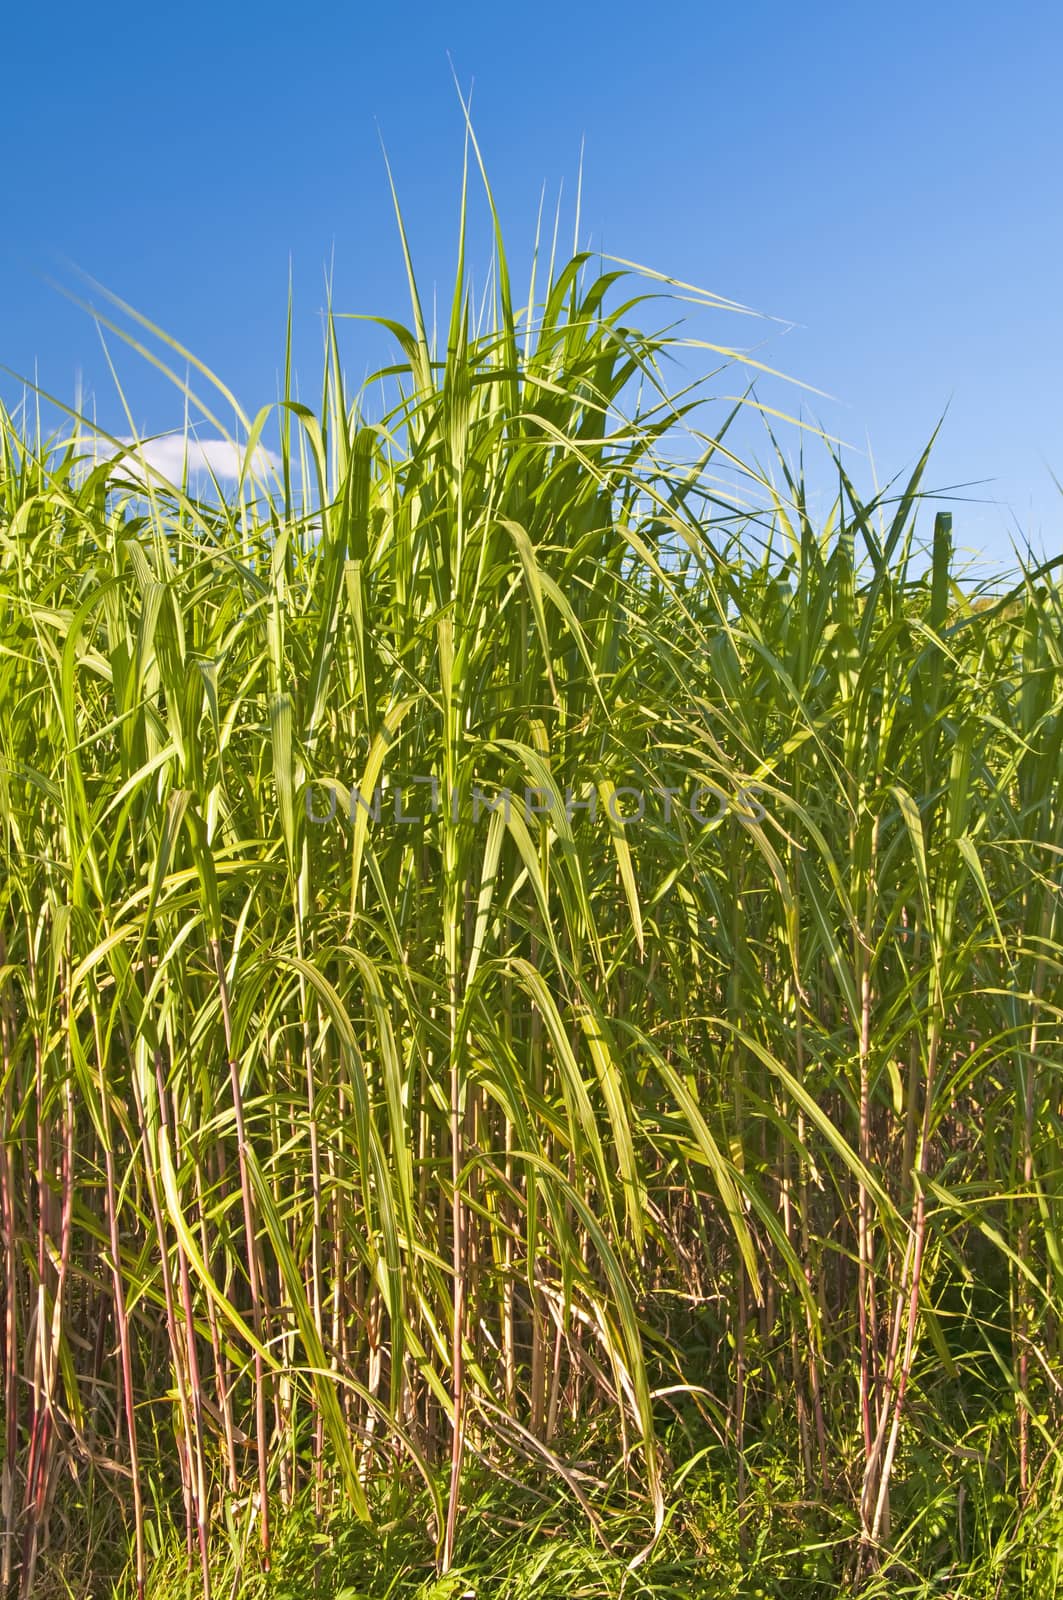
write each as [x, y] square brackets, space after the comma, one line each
[519, 1542]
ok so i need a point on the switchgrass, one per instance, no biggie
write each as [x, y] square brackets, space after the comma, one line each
[682, 1162]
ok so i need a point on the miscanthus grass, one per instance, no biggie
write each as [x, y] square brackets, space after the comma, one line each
[675, 1172]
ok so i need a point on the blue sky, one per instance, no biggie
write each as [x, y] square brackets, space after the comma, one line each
[889, 179]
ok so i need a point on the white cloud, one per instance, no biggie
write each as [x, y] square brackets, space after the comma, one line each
[168, 455]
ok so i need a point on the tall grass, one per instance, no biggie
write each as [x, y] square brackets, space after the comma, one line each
[345, 1155]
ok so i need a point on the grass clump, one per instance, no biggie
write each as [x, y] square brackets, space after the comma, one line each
[647, 1180]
